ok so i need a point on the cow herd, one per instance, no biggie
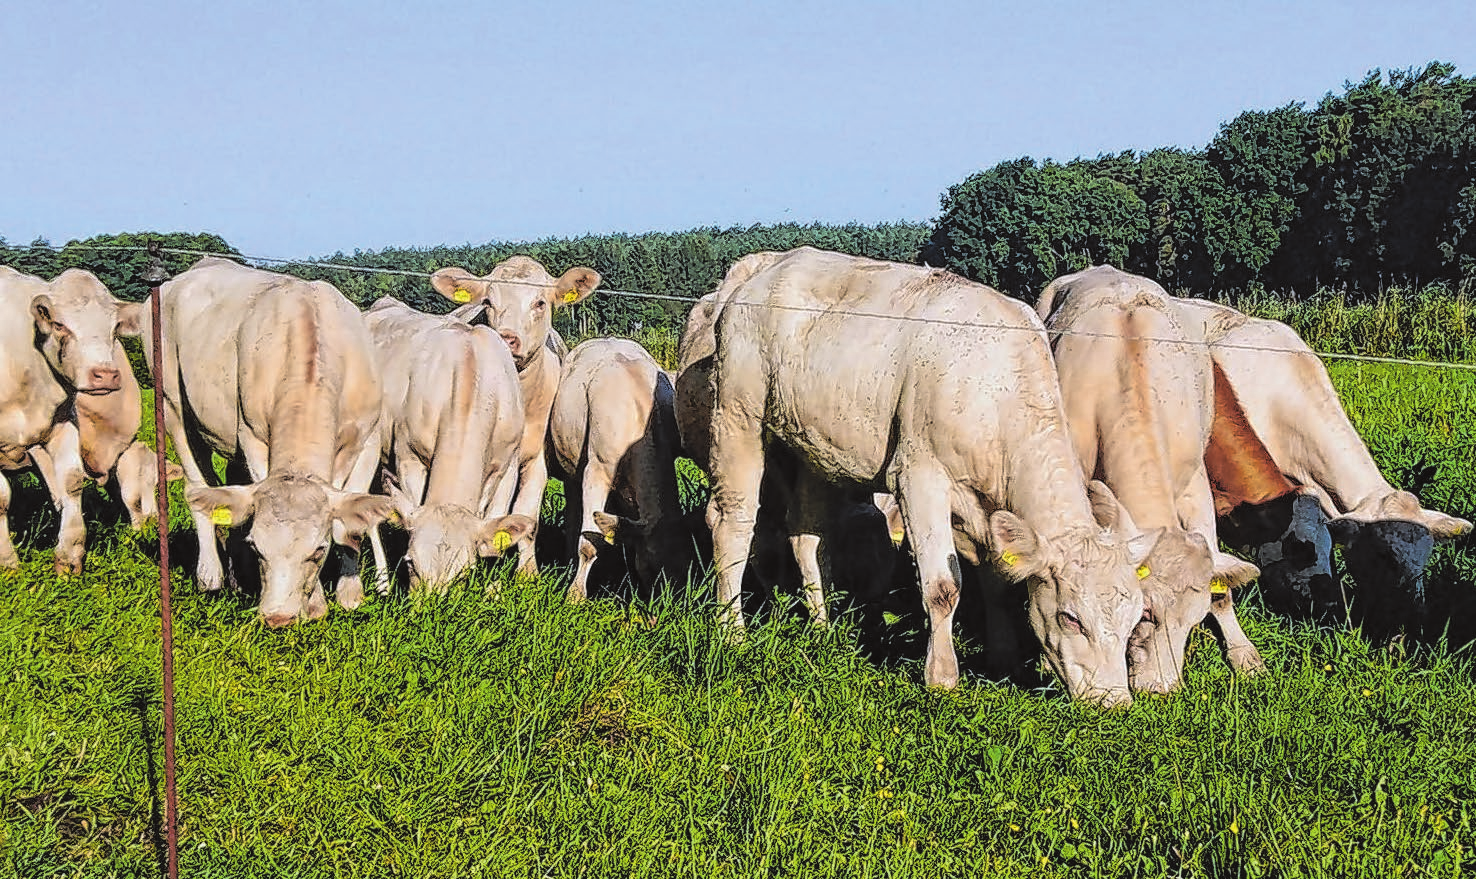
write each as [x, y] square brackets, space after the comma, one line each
[1079, 465]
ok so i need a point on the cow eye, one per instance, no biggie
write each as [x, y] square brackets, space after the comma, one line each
[1070, 621]
[318, 554]
[540, 304]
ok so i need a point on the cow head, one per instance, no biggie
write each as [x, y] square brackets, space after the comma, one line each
[518, 298]
[447, 539]
[1085, 600]
[293, 520]
[654, 547]
[77, 321]
[1177, 578]
[1387, 542]
[138, 482]
[1293, 547]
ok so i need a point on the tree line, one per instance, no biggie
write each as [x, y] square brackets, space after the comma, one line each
[1372, 187]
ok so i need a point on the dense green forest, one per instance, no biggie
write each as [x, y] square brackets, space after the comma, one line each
[1373, 190]
[1372, 187]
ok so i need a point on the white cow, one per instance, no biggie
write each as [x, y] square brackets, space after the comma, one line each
[942, 391]
[279, 374]
[1137, 383]
[518, 299]
[613, 435]
[453, 420]
[58, 342]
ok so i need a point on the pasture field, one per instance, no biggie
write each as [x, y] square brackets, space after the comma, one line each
[520, 736]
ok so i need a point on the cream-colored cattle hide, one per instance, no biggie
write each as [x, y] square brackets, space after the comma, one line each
[58, 345]
[453, 421]
[279, 374]
[953, 405]
[517, 299]
[613, 435]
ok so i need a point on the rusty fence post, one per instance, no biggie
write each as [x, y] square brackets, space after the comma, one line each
[155, 276]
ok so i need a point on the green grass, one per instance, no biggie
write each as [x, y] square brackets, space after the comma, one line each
[521, 736]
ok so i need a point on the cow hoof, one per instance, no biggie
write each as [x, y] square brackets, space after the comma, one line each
[576, 595]
[10, 562]
[317, 606]
[1246, 660]
[350, 594]
[69, 567]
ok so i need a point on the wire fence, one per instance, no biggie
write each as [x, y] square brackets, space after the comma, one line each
[260, 261]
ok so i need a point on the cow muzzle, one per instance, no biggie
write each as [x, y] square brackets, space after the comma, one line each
[102, 380]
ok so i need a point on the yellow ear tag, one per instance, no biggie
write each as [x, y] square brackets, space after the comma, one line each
[221, 516]
[1009, 558]
[1142, 572]
[501, 541]
[897, 536]
[610, 537]
[1219, 587]
[393, 518]
[461, 295]
[571, 296]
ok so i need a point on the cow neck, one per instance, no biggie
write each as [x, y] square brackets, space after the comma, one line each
[458, 464]
[1043, 481]
[304, 418]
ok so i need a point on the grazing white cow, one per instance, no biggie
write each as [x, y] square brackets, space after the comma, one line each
[453, 420]
[613, 434]
[831, 536]
[58, 344]
[1137, 383]
[942, 391]
[279, 374]
[517, 299]
[1291, 405]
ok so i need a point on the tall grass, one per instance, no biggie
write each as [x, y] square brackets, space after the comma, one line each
[521, 736]
[1430, 324]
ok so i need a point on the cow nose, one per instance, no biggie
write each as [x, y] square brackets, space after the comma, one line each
[278, 619]
[514, 344]
[103, 378]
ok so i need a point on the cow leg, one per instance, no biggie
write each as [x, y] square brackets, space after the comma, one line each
[60, 463]
[350, 588]
[532, 480]
[595, 492]
[923, 496]
[209, 573]
[1197, 511]
[806, 516]
[9, 559]
[737, 470]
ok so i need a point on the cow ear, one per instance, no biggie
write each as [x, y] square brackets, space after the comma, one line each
[1142, 545]
[404, 505]
[355, 513]
[130, 318]
[41, 312]
[1443, 527]
[575, 285]
[1107, 510]
[227, 505]
[1232, 573]
[498, 534]
[1021, 553]
[173, 472]
[458, 285]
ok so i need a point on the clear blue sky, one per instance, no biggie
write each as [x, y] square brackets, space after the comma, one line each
[301, 128]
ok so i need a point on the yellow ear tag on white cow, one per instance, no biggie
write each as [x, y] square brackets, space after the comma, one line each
[571, 296]
[461, 295]
[221, 516]
[897, 537]
[393, 518]
[1009, 558]
[1219, 587]
[610, 537]
[1142, 572]
[501, 541]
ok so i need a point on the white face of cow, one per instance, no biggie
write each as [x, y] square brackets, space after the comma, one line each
[519, 297]
[293, 521]
[447, 539]
[1175, 579]
[1084, 602]
[77, 322]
